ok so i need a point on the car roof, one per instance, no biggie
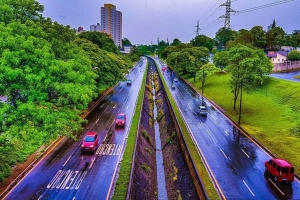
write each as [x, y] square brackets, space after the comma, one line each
[282, 162]
[91, 133]
[202, 107]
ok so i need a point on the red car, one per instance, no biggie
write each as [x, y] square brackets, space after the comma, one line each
[120, 119]
[90, 142]
[280, 169]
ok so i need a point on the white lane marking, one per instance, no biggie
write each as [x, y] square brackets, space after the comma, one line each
[67, 180]
[226, 133]
[73, 198]
[109, 149]
[223, 153]
[248, 188]
[190, 105]
[67, 161]
[92, 163]
[121, 89]
[276, 187]
[209, 133]
[102, 106]
[245, 153]
[127, 107]
[115, 106]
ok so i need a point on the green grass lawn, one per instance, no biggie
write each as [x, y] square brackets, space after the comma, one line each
[268, 113]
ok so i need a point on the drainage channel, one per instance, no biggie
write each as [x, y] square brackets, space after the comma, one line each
[161, 181]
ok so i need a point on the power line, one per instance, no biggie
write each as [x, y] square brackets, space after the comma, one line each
[265, 6]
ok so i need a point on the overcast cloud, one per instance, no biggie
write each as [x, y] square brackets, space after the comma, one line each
[144, 21]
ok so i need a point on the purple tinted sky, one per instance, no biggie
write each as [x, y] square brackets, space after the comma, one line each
[144, 21]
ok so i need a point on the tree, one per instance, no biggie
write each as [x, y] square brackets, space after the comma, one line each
[259, 37]
[203, 41]
[175, 42]
[273, 24]
[220, 59]
[204, 71]
[224, 35]
[294, 55]
[20, 11]
[102, 40]
[248, 68]
[126, 42]
[274, 38]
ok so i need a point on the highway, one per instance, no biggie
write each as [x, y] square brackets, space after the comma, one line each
[68, 173]
[236, 162]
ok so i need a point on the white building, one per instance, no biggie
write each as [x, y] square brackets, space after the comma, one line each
[95, 27]
[111, 23]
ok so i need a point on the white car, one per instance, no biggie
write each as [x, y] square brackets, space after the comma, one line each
[175, 79]
[202, 110]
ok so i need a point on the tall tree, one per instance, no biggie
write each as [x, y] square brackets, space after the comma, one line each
[223, 35]
[248, 68]
[102, 40]
[20, 11]
[275, 38]
[259, 37]
[126, 42]
[204, 71]
[203, 41]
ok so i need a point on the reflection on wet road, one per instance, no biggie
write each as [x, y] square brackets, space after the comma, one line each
[236, 162]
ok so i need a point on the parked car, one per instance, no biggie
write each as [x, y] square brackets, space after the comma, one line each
[202, 110]
[280, 169]
[128, 82]
[120, 119]
[175, 79]
[90, 142]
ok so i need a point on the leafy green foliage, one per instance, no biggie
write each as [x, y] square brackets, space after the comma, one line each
[224, 35]
[203, 41]
[248, 68]
[102, 40]
[294, 55]
[204, 71]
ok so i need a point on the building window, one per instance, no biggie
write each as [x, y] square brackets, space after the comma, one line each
[278, 60]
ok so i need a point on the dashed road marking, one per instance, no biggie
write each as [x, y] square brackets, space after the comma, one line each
[245, 153]
[248, 188]
[223, 153]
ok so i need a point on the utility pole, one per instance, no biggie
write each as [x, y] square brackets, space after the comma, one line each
[197, 28]
[227, 14]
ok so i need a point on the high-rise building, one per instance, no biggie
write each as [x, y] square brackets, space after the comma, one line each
[111, 23]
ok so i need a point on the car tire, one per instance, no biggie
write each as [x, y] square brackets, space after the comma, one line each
[276, 179]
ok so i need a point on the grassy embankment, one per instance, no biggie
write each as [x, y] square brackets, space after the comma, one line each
[124, 174]
[268, 113]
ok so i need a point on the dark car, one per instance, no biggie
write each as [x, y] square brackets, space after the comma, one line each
[90, 142]
[120, 119]
[128, 82]
[280, 169]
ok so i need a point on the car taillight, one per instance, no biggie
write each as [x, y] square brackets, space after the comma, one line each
[92, 146]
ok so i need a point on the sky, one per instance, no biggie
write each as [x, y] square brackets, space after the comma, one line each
[147, 21]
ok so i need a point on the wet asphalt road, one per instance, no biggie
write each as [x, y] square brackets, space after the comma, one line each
[287, 76]
[67, 173]
[237, 164]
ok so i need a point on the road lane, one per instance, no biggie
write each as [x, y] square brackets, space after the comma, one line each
[235, 161]
[70, 174]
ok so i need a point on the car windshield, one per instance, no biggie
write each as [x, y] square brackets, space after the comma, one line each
[89, 139]
[120, 117]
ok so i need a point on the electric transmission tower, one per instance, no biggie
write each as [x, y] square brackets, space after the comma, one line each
[197, 28]
[227, 15]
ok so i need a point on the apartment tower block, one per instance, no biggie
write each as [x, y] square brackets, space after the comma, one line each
[111, 23]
